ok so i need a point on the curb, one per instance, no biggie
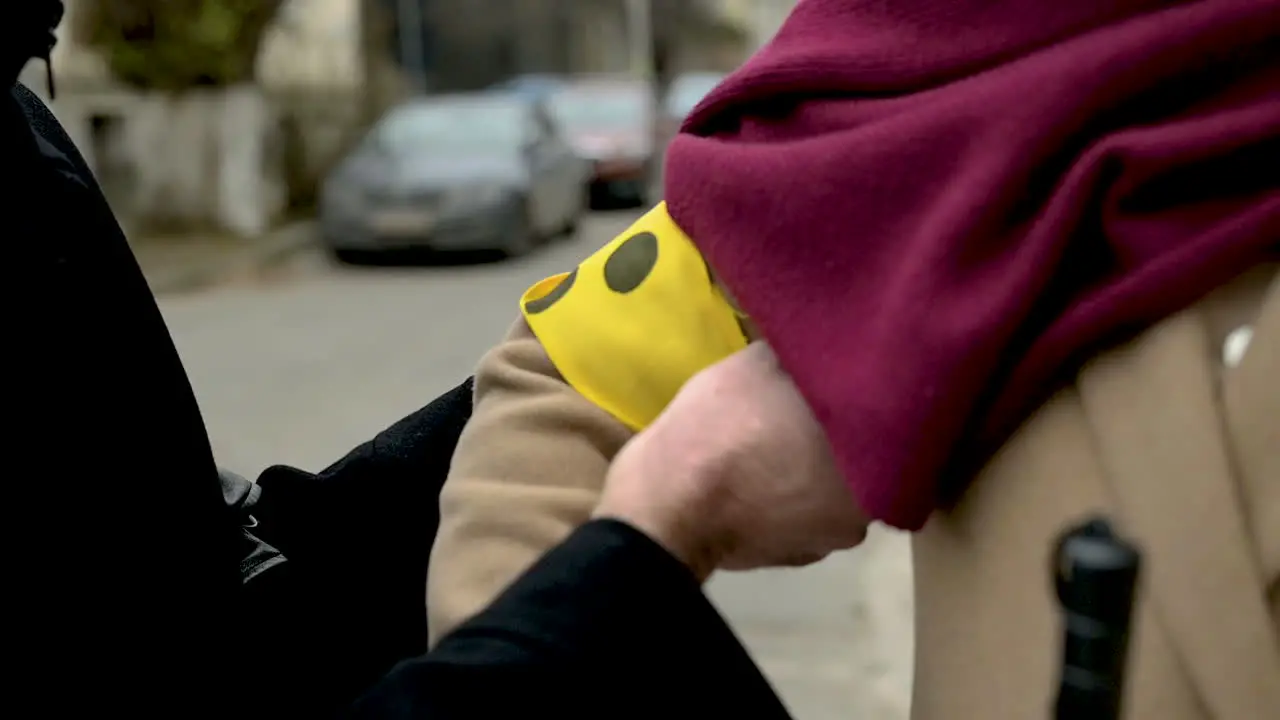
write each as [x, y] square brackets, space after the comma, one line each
[277, 246]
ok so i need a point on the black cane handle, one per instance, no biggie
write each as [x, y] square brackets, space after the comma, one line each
[1095, 575]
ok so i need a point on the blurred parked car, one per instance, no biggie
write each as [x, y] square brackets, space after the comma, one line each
[686, 91]
[609, 123]
[535, 86]
[486, 171]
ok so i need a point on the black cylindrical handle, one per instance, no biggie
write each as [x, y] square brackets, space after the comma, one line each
[1096, 575]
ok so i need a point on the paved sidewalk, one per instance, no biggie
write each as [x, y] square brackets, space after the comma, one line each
[835, 638]
[185, 263]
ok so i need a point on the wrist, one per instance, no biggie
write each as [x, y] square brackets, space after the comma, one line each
[692, 551]
[667, 505]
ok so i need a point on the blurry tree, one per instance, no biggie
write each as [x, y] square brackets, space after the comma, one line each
[174, 45]
[200, 130]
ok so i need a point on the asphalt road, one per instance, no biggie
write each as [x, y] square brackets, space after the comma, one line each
[298, 367]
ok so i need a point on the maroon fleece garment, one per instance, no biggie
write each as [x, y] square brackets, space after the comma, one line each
[936, 209]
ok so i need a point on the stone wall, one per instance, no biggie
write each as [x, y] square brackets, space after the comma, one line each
[203, 159]
[236, 159]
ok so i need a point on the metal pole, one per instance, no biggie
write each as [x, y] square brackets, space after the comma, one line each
[412, 56]
[641, 41]
[640, 37]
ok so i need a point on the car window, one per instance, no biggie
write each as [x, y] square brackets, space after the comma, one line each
[532, 133]
[453, 127]
[600, 110]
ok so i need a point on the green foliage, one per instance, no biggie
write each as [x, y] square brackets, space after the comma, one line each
[175, 45]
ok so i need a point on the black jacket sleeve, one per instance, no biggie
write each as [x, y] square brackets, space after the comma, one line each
[608, 624]
[347, 605]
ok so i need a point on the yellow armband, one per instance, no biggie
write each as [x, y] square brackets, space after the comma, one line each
[635, 320]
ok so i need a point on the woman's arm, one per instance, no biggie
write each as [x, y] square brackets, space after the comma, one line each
[529, 469]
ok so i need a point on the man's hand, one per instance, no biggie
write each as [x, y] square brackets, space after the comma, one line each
[736, 474]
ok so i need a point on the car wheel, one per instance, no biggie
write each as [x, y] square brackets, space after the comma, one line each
[349, 257]
[574, 221]
[596, 197]
[522, 237]
[571, 227]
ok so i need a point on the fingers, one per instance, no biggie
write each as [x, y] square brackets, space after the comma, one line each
[768, 560]
[854, 534]
[803, 560]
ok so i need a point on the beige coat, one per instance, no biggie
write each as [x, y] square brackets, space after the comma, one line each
[529, 468]
[1183, 453]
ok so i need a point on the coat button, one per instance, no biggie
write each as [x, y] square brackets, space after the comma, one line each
[1236, 345]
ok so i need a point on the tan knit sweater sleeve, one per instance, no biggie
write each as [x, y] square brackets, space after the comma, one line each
[528, 469]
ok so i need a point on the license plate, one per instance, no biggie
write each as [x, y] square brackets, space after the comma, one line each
[403, 222]
[614, 168]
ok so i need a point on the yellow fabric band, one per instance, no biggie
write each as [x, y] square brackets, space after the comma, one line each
[635, 320]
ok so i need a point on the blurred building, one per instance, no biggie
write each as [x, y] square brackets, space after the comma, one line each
[451, 45]
[315, 44]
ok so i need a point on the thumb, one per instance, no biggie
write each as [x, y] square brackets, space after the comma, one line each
[755, 359]
[760, 354]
